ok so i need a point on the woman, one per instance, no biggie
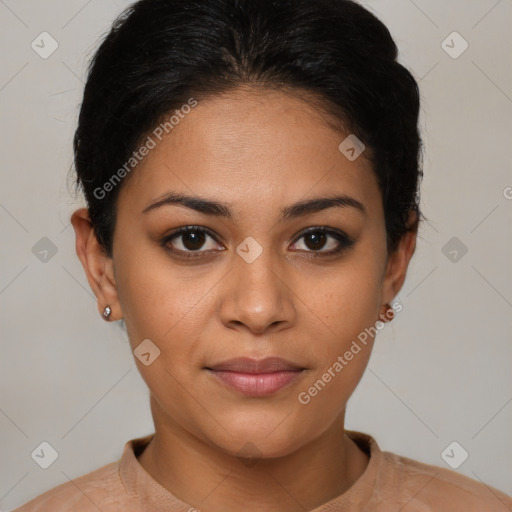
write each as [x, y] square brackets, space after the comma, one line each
[251, 170]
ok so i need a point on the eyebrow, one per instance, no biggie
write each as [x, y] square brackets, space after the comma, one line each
[218, 209]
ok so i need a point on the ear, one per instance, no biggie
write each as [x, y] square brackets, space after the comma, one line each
[98, 266]
[398, 261]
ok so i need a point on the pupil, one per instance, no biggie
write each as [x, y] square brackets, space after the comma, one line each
[193, 240]
[317, 238]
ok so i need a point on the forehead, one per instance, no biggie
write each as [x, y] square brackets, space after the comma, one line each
[266, 145]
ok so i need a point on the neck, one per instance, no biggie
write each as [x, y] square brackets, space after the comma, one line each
[202, 475]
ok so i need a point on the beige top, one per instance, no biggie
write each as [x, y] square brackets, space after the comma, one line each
[390, 483]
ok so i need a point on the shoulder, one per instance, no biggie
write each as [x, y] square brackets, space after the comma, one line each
[98, 490]
[424, 485]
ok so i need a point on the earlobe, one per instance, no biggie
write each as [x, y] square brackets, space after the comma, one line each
[398, 261]
[98, 266]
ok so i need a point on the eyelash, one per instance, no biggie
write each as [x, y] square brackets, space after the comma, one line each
[344, 241]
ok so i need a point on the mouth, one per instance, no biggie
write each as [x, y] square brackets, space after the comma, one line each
[256, 378]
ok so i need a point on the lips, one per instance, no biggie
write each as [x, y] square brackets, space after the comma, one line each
[248, 365]
[256, 378]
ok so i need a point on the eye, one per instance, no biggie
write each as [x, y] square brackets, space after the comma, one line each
[189, 240]
[317, 238]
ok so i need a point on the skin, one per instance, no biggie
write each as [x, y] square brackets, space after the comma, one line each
[259, 151]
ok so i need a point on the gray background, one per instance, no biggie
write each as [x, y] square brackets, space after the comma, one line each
[440, 372]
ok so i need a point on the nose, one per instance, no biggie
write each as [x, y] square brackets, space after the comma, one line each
[256, 296]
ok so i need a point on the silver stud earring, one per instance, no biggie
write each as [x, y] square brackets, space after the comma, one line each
[106, 312]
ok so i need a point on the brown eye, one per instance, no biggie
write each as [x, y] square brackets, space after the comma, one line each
[193, 240]
[190, 239]
[316, 239]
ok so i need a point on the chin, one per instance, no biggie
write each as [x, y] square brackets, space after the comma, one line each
[265, 437]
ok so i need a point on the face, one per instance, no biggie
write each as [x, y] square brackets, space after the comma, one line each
[253, 275]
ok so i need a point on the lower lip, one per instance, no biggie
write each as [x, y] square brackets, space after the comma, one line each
[256, 384]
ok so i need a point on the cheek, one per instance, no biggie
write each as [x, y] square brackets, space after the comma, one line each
[347, 300]
[346, 308]
[159, 307]
[162, 304]
[151, 298]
